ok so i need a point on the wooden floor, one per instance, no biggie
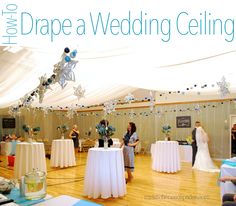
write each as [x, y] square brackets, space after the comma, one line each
[188, 187]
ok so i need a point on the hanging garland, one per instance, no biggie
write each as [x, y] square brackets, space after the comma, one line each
[63, 72]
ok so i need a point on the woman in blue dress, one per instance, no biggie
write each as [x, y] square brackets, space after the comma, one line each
[130, 140]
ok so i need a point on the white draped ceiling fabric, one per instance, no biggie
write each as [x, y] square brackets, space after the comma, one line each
[107, 75]
[111, 67]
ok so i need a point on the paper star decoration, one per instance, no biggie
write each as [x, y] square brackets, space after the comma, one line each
[131, 114]
[45, 110]
[14, 111]
[129, 98]
[152, 101]
[197, 108]
[64, 69]
[26, 101]
[79, 92]
[70, 113]
[42, 88]
[109, 107]
[223, 87]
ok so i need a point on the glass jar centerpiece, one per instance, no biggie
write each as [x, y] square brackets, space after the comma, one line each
[33, 185]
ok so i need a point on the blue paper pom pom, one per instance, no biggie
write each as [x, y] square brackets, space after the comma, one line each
[67, 59]
[73, 54]
[66, 50]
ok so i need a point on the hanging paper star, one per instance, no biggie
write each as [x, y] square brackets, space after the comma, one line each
[14, 111]
[79, 92]
[223, 87]
[129, 98]
[109, 107]
[42, 88]
[152, 101]
[159, 113]
[26, 101]
[197, 108]
[45, 111]
[131, 114]
[71, 112]
[64, 69]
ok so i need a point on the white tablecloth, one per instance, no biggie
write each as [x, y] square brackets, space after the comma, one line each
[116, 144]
[29, 156]
[62, 154]
[6, 148]
[184, 150]
[166, 156]
[105, 175]
[227, 187]
[185, 153]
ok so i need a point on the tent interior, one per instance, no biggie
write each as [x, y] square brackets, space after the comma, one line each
[122, 83]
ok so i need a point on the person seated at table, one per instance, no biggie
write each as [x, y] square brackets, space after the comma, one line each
[228, 199]
[7, 138]
[130, 140]
[13, 137]
[74, 135]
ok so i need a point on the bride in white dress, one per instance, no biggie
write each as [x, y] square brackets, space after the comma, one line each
[203, 160]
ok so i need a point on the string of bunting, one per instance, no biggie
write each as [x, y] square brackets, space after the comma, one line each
[159, 111]
[223, 88]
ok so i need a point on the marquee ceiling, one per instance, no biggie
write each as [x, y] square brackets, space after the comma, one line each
[110, 74]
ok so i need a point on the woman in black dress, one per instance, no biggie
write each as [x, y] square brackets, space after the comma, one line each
[74, 135]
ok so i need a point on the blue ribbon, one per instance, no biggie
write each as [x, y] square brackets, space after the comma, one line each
[229, 163]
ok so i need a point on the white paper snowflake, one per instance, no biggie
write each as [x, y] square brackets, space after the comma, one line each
[79, 92]
[223, 87]
[109, 107]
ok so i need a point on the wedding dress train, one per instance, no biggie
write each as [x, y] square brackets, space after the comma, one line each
[203, 160]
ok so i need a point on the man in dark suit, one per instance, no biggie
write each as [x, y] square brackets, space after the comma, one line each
[194, 143]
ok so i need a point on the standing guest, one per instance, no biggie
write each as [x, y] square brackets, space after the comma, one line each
[130, 140]
[74, 135]
[194, 143]
[233, 139]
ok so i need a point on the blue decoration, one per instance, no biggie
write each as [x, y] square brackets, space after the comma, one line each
[73, 54]
[67, 50]
[67, 59]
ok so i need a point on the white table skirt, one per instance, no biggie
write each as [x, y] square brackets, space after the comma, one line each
[6, 148]
[105, 175]
[29, 156]
[227, 187]
[186, 153]
[166, 156]
[115, 144]
[184, 150]
[62, 153]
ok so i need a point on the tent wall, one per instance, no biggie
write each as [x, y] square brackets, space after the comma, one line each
[213, 115]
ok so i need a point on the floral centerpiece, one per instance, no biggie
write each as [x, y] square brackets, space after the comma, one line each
[30, 131]
[105, 130]
[189, 139]
[166, 129]
[63, 129]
